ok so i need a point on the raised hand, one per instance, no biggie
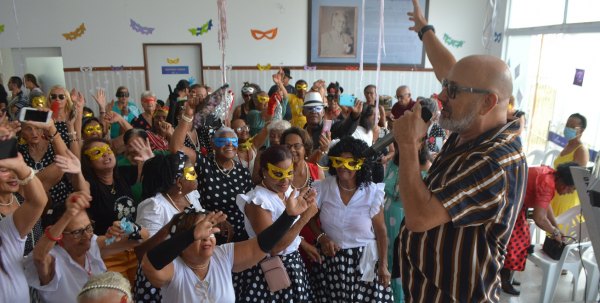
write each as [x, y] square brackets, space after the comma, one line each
[166, 129]
[324, 142]
[417, 17]
[76, 202]
[69, 164]
[7, 130]
[112, 117]
[13, 163]
[144, 150]
[115, 231]
[357, 109]
[206, 227]
[100, 99]
[298, 205]
[110, 106]
[226, 229]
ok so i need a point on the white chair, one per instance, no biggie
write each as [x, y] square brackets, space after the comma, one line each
[550, 157]
[593, 275]
[535, 157]
[569, 223]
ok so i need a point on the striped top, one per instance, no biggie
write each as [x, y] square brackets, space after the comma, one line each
[482, 185]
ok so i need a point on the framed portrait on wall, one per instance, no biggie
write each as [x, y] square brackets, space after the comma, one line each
[336, 32]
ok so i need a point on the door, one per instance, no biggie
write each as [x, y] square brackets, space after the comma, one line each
[168, 63]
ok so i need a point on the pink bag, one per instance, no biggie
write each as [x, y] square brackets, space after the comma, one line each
[275, 274]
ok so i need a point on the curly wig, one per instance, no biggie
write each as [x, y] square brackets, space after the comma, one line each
[356, 147]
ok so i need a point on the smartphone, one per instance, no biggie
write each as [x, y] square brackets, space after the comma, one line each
[327, 126]
[347, 100]
[32, 114]
[8, 149]
[426, 114]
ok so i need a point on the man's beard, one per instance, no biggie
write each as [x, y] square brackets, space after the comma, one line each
[458, 125]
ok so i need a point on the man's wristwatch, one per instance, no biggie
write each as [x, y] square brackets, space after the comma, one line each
[424, 30]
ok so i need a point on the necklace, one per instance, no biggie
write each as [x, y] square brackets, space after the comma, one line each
[282, 199]
[219, 168]
[112, 190]
[197, 145]
[89, 272]
[198, 268]
[247, 157]
[173, 203]
[12, 199]
[307, 177]
[340, 184]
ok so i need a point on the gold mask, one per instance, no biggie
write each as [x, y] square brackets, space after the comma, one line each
[278, 173]
[301, 87]
[190, 173]
[93, 129]
[97, 152]
[262, 99]
[88, 115]
[38, 101]
[350, 163]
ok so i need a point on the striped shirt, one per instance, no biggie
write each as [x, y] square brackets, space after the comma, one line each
[482, 186]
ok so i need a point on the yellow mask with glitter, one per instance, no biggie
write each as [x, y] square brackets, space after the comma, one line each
[38, 101]
[350, 163]
[262, 99]
[97, 152]
[88, 115]
[301, 87]
[190, 173]
[244, 147]
[93, 129]
[278, 173]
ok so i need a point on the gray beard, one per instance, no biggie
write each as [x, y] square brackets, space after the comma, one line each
[458, 125]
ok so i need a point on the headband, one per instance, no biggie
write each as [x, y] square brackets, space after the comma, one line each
[125, 299]
[180, 166]
[186, 211]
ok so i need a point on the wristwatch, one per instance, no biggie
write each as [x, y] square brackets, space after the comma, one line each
[556, 232]
[424, 30]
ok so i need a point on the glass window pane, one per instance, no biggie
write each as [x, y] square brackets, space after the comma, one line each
[530, 13]
[583, 11]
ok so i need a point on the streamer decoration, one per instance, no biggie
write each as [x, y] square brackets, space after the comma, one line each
[192, 80]
[266, 67]
[173, 61]
[270, 34]
[222, 34]
[348, 67]
[141, 29]
[201, 30]
[381, 46]
[114, 69]
[228, 67]
[216, 104]
[306, 67]
[452, 42]
[76, 33]
[489, 25]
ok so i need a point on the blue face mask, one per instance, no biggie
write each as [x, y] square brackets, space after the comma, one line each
[220, 142]
[570, 133]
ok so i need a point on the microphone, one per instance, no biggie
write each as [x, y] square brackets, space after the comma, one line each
[389, 138]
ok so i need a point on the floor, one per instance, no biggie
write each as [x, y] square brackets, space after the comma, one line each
[530, 288]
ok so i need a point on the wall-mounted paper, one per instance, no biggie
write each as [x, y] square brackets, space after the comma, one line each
[270, 34]
[141, 29]
[76, 33]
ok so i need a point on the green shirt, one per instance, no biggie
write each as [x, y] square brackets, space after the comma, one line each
[136, 189]
[256, 122]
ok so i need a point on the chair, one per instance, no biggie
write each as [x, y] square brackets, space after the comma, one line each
[569, 223]
[593, 275]
[536, 157]
[550, 157]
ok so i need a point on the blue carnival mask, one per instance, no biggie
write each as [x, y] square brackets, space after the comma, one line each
[220, 142]
[570, 133]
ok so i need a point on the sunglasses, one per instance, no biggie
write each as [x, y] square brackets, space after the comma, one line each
[77, 234]
[247, 95]
[122, 94]
[55, 96]
[451, 88]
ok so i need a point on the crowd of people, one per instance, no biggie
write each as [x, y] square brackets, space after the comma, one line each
[129, 205]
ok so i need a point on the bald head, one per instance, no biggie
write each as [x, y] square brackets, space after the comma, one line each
[487, 72]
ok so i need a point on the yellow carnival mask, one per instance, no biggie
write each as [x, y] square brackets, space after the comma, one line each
[244, 147]
[350, 163]
[190, 173]
[88, 115]
[278, 173]
[38, 101]
[262, 99]
[97, 152]
[93, 129]
[301, 87]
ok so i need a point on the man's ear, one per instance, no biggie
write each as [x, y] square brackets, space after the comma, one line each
[490, 102]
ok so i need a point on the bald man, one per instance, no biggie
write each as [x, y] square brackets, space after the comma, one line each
[405, 102]
[458, 221]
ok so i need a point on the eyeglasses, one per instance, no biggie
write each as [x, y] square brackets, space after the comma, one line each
[122, 94]
[55, 96]
[453, 88]
[241, 129]
[296, 146]
[400, 96]
[313, 109]
[369, 93]
[247, 95]
[77, 234]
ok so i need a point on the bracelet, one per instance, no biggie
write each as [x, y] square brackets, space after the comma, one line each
[186, 119]
[50, 137]
[319, 237]
[72, 134]
[102, 113]
[47, 233]
[72, 140]
[424, 30]
[26, 180]
[556, 232]
[323, 152]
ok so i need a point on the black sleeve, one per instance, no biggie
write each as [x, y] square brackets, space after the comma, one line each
[129, 174]
[272, 90]
[341, 129]
[164, 253]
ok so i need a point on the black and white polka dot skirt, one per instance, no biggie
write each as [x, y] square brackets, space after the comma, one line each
[338, 280]
[143, 291]
[256, 288]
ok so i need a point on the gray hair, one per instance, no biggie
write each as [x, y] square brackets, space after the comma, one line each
[222, 130]
[279, 125]
[338, 14]
[431, 104]
[98, 285]
[148, 93]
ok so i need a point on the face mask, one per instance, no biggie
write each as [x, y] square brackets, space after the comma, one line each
[97, 152]
[190, 173]
[262, 99]
[300, 87]
[350, 163]
[570, 133]
[278, 173]
[220, 142]
[93, 129]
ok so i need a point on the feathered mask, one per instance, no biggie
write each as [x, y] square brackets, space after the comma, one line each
[217, 104]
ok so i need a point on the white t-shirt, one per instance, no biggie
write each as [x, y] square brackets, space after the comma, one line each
[349, 226]
[187, 287]
[69, 277]
[270, 201]
[13, 287]
[154, 213]
[361, 134]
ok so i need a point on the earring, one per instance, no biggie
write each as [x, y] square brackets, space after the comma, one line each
[180, 190]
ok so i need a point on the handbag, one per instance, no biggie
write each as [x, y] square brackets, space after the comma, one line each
[275, 273]
[553, 248]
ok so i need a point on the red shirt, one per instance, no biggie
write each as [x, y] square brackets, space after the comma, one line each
[540, 187]
[398, 111]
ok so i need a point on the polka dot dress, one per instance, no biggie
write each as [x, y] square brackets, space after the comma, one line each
[140, 122]
[144, 291]
[337, 280]
[436, 131]
[520, 240]
[63, 188]
[61, 126]
[256, 288]
[205, 135]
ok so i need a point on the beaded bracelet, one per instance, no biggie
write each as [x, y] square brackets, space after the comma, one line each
[72, 134]
[319, 237]
[186, 119]
[26, 180]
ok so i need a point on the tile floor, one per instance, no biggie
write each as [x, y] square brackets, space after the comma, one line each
[531, 280]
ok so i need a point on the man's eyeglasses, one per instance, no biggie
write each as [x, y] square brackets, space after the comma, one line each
[451, 88]
[77, 234]
[400, 97]
[240, 129]
[296, 146]
[247, 95]
[55, 96]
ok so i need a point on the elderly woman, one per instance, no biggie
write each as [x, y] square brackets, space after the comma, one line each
[264, 205]
[161, 131]
[542, 184]
[275, 129]
[352, 237]
[220, 178]
[144, 120]
[59, 272]
[337, 42]
[68, 117]
[264, 105]
[125, 108]
[106, 287]
[248, 147]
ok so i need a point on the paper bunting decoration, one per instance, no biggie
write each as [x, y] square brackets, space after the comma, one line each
[270, 34]
[171, 61]
[191, 80]
[85, 69]
[74, 34]
[517, 71]
[201, 30]
[497, 37]
[579, 73]
[228, 67]
[351, 67]
[306, 67]
[114, 69]
[141, 29]
[267, 67]
[1, 28]
[453, 42]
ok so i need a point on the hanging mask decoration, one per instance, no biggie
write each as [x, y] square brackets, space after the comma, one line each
[74, 34]
[116, 68]
[278, 173]
[141, 29]
[270, 34]
[266, 67]
[97, 152]
[201, 30]
[306, 67]
[350, 163]
[172, 61]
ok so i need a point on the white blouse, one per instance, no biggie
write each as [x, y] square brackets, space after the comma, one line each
[154, 213]
[270, 201]
[13, 284]
[349, 226]
[217, 285]
[69, 277]
[362, 134]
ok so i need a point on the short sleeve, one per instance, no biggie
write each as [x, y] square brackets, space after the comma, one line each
[224, 253]
[150, 215]
[317, 185]
[475, 193]
[378, 195]
[255, 197]
[544, 190]
[129, 174]
[12, 241]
